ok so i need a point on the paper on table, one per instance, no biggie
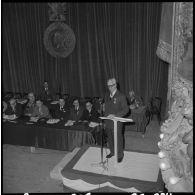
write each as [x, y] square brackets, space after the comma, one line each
[93, 124]
[34, 119]
[12, 121]
[53, 121]
[10, 117]
[69, 123]
[28, 123]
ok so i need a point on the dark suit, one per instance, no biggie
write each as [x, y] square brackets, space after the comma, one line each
[29, 108]
[17, 110]
[43, 114]
[90, 116]
[117, 105]
[61, 112]
[76, 115]
[46, 95]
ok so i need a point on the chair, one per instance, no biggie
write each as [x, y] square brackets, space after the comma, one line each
[85, 99]
[97, 103]
[8, 96]
[17, 95]
[58, 96]
[148, 114]
[155, 108]
[25, 95]
[66, 96]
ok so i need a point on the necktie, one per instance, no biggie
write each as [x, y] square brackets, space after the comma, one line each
[40, 111]
[13, 108]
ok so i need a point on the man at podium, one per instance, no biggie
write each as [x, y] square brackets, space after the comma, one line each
[115, 105]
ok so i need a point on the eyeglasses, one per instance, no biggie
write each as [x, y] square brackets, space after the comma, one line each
[112, 85]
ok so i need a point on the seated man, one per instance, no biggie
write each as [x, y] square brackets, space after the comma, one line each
[90, 114]
[46, 92]
[134, 101]
[4, 106]
[61, 110]
[40, 110]
[76, 112]
[13, 108]
[29, 108]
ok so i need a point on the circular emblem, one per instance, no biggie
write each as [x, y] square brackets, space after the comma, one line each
[59, 39]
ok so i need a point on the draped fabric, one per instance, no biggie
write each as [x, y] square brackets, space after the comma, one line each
[164, 49]
[165, 35]
[112, 40]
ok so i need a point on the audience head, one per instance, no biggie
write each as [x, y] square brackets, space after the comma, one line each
[88, 105]
[39, 103]
[12, 102]
[31, 97]
[76, 103]
[61, 102]
[112, 85]
[45, 84]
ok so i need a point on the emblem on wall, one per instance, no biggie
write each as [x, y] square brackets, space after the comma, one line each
[59, 39]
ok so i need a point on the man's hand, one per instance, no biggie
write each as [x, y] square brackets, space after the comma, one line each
[111, 116]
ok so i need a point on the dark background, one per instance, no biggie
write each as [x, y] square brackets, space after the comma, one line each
[112, 40]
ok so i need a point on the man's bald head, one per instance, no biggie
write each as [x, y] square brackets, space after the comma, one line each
[111, 81]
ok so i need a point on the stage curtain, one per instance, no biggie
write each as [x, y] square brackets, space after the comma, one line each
[112, 40]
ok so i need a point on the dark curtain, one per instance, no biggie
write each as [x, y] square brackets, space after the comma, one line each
[112, 40]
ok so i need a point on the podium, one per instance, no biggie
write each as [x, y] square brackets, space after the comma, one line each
[115, 120]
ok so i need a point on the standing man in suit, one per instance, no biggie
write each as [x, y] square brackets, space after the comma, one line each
[46, 92]
[76, 111]
[90, 114]
[115, 105]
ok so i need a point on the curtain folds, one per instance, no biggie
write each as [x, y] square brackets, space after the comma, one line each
[165, 35]
[112, 40]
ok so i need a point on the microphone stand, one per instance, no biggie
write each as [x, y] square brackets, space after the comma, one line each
[102, 163]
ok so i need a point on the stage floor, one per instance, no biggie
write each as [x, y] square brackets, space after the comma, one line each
[138, 172]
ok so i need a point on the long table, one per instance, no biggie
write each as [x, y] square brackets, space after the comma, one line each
[51, 136]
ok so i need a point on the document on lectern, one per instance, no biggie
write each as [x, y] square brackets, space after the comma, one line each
[123, 119]
[118, 119]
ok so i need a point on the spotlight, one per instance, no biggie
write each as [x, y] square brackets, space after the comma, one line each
[164, 165]
[161, 154]
[161, 135]
[173, 180]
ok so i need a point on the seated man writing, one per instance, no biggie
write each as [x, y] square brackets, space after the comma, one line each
[40, 110]
[89, 113]
[29, 108]
[14, 110]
